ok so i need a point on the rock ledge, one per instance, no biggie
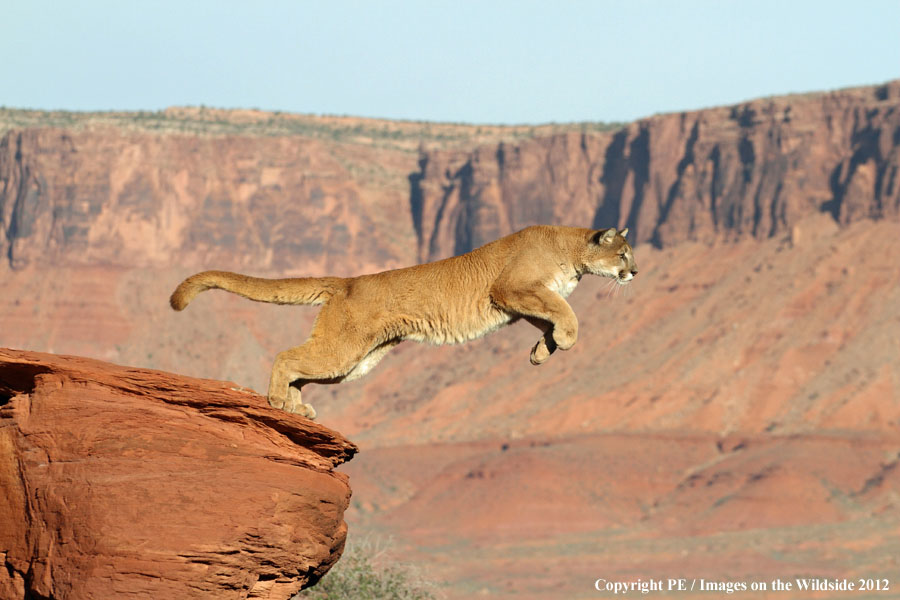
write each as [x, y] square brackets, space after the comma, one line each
[123, 482]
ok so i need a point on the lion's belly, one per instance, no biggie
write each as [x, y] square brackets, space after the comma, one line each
[443, 331]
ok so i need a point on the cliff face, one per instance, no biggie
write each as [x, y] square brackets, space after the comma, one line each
[76, 197]
[294, 204]
[749, 170]
[120, 482]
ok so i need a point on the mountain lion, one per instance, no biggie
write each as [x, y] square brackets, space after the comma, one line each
[525, 275]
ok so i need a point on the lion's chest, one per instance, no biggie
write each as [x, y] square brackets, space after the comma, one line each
[564, 284]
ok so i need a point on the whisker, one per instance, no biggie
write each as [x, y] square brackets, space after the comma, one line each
[610, 287]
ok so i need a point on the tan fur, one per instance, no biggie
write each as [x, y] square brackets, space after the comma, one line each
[525, 275]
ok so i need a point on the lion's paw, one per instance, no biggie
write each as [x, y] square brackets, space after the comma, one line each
[296, 405]
[306, 410]
[540, 352]
[276, 402]
[565, 338]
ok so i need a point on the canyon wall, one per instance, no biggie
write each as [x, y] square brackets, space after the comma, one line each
[753, 169]
[294, 204]
[126, 198]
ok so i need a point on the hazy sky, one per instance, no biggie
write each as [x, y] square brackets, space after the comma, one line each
[474, 61]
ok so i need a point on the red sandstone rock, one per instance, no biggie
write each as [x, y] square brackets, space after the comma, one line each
[121, 482]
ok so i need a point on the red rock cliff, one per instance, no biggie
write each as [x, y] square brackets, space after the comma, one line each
[129, 198]
[747, 170]
[293, 204]
[120, 482]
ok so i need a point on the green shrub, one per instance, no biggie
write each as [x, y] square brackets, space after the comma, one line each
[365, 572]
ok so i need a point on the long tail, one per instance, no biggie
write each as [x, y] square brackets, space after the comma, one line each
[306, 290]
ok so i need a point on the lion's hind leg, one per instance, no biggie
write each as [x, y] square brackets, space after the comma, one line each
[338, 342]
[341, 347]
[295, 403]
[316, 361]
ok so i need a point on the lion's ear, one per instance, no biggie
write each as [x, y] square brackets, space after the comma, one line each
[624, 232]
[604, 236]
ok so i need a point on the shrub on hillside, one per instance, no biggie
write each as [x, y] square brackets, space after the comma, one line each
[364, 572]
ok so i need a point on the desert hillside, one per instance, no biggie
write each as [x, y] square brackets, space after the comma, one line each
[743, 392]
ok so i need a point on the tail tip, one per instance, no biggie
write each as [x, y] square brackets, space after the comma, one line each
[179, 300]
[176, 303]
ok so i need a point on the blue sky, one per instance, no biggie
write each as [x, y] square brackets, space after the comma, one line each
[461, 61]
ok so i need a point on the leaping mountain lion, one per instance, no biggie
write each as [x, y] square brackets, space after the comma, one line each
[525, 275]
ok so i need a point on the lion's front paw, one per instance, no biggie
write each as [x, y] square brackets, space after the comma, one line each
[540, 352]
[565, 338]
